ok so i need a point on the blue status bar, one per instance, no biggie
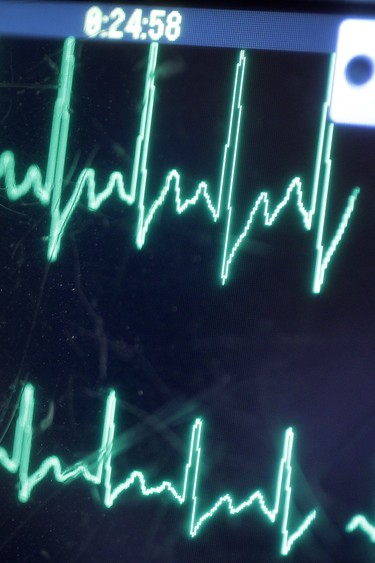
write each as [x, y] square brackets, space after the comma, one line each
[201, 27]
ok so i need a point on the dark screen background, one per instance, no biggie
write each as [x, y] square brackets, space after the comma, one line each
[251, 358]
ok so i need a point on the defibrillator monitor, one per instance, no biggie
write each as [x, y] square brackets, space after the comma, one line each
[187, 282]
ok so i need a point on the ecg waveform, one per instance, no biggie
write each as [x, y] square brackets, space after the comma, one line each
[360, 522]
[49, 192]
[19, 463]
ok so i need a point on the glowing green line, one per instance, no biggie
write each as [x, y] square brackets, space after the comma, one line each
[295, 189]
[19, 463]
[360, 522]
[50, 193]
[322, 261]
[235, 118]
[173, 177]
[321, 138]
[57, 149]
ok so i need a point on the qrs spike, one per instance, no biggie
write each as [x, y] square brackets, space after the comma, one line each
[135, 192]
[99, 473]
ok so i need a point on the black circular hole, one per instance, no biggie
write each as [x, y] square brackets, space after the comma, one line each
[359, 70]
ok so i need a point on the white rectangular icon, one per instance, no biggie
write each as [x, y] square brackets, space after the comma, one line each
[353, 92]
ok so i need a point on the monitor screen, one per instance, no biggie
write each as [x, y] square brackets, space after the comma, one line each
[187, 309]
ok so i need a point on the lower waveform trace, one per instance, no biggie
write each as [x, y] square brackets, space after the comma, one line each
[188, 494]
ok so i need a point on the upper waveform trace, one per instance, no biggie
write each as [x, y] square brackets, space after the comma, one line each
[49, 192]
[99, 472]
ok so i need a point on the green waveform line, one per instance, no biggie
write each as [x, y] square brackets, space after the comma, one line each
[360, 522]
[19, 463]
[50, 192]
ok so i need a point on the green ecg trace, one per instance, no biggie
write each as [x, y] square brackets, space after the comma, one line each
[50, 191]
[360, 522]
[100, 473]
